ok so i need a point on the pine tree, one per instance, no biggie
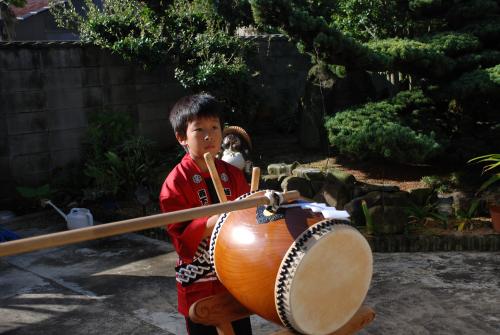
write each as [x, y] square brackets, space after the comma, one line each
[446, 53]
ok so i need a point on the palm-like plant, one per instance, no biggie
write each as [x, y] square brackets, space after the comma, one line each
[492, 198]
[493, 161]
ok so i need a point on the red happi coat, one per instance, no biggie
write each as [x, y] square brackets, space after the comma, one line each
[184, 188]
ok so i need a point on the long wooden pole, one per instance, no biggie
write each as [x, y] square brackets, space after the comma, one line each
[215, 176]
[128, 226]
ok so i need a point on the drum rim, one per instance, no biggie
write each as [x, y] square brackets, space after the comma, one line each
[290, 263]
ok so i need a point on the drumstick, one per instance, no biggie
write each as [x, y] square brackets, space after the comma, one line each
[254, 183]
[128, 226]
[215, 177]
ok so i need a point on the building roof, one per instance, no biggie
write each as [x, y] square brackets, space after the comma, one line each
[32, 7]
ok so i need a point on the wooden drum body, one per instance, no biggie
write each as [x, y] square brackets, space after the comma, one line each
[293, 267]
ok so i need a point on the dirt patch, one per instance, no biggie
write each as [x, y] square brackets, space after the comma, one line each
[406, 177]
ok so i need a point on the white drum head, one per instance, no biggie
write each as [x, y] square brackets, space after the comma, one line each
[324, 278]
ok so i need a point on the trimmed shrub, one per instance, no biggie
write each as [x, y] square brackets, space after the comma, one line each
[452, 43]
[377, 130]
[478, 83]
[412, 56]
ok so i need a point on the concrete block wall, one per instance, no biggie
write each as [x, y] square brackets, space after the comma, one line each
[49, 89]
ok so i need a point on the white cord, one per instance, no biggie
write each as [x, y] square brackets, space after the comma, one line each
[325, 210]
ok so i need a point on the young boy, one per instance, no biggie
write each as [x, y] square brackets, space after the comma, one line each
[197, 126]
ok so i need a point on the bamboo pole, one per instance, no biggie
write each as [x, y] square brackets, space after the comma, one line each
[132, 225]
[254, 183]
[215, 176]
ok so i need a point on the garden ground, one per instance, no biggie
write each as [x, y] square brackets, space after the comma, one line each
[450, 179]
[272, 147]
[126, 285]
[276, 148]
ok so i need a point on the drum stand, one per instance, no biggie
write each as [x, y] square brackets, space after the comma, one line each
[221, 309]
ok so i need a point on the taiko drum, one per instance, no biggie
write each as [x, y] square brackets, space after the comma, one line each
[292, 267]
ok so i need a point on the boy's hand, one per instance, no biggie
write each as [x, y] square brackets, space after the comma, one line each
[210, 225]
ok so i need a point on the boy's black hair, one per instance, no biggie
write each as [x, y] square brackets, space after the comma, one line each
[193, 107]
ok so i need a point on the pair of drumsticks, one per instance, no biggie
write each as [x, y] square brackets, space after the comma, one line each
[254, 183]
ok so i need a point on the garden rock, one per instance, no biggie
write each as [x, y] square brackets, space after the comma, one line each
[355, 211]
[308, 173]
[388, 219]
[397, 199]
[317, 185]
[299, 184]
[420, 196]
[346, 178]
[400, 198]
[361, 189]
[281, 168]
[335, 194]
[270, 182]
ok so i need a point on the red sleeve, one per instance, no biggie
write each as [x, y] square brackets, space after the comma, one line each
[186, 236]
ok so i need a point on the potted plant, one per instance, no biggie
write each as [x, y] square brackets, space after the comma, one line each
[491, 194]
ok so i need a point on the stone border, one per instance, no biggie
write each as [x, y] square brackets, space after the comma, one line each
[403, 243]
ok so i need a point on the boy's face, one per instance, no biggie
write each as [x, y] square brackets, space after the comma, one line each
[202, 135]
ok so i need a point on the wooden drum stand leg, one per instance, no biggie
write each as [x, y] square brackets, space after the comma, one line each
[218, 310]
[221, 309]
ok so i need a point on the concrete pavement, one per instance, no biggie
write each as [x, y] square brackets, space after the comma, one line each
[126, 285]
[435, 293]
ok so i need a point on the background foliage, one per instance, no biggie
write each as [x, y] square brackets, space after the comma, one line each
[443, 52]
[117, 162]
[191, 35]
